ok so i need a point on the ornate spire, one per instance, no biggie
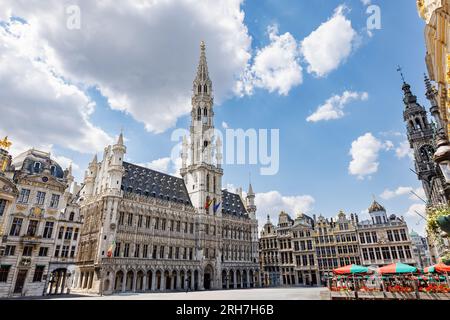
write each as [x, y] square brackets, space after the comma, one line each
[120, 140]
[202, 82]
[202, 69]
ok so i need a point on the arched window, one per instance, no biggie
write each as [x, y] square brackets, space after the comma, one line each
[37, 167]
[205, 112]
[199, 88]
[418, 124]
[214, 184]
[205, 88]
[71, 216]
[426, 153]
[53, 170]
[199, 114]
[207, 182]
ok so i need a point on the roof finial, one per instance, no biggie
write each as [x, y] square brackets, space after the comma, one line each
[400, 70]
[202, 45]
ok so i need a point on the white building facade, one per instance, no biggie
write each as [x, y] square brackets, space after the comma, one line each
[40, 228]
[148, 231]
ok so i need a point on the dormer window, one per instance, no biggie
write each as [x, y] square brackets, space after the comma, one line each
[53, 170]
[37, 167]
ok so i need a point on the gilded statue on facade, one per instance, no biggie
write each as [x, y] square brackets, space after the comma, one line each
[5, 143]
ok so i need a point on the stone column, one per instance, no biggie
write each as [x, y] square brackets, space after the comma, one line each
[163, 282]
[234, 280]
[192, 281]
[303, 278]
[63, 282]
[124, 282]
[144, 282]
[134, 282]
[86, 279]
[201, 283]
[153, 288]
[172, 281]
[80, 280]
[248, 279]
[178, 284]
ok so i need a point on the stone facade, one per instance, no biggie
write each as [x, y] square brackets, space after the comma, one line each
[384, 240]
[420, 249]
[305, 251]
[148, 231]
[436, 14]
[40, 226]
[421, 136]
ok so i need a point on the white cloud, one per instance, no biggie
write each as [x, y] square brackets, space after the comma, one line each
[333, 108]
[366, 2]
[330, 44]
[273, 202]
[275, 67]
[404, 150]
[38, 107]
[224, 125]
[365, 151]
[165, 165]
[419, 207]
[400, 191]
[419, 192]
[127, 50]
[161, 165]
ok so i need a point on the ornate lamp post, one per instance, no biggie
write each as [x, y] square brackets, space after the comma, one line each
[442, 158]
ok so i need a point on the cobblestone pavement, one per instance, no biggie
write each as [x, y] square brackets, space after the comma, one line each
[243, 294]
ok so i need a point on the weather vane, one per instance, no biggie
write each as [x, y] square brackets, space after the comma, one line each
[400, 70]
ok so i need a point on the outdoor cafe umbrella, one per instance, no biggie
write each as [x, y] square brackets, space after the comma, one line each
[440, 267]
[397, 268]
[351, 269]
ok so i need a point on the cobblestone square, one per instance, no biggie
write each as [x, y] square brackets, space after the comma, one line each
[298, 293]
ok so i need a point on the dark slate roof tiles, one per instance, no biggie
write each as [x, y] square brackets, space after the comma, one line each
[151, 183]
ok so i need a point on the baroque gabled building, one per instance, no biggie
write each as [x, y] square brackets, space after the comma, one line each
[305, 251]
[148, 231]
[40, 228]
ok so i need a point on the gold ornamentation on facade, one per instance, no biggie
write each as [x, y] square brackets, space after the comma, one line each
[5, 143]
[21, 208]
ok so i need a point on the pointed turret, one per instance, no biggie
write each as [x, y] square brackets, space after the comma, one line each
[431, 96]
[120, 140]
[251, 206]
[202, 77]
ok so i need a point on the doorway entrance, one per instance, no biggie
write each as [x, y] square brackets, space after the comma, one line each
[20, 281]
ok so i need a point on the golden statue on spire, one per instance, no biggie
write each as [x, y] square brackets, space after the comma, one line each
[5, 143]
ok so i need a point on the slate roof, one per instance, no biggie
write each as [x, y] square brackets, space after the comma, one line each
[232, 204]
[26, 162]
[151, 183]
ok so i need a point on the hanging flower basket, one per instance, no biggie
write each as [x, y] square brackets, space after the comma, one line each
[438, 219]
[444, 223]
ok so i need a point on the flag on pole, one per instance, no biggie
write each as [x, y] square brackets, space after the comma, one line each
[217, 207]
[208, 203]
[111, 249]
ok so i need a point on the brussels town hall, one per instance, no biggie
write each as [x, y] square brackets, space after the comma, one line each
[148, 231]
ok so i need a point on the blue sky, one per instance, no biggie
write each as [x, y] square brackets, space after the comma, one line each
[314, 156]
